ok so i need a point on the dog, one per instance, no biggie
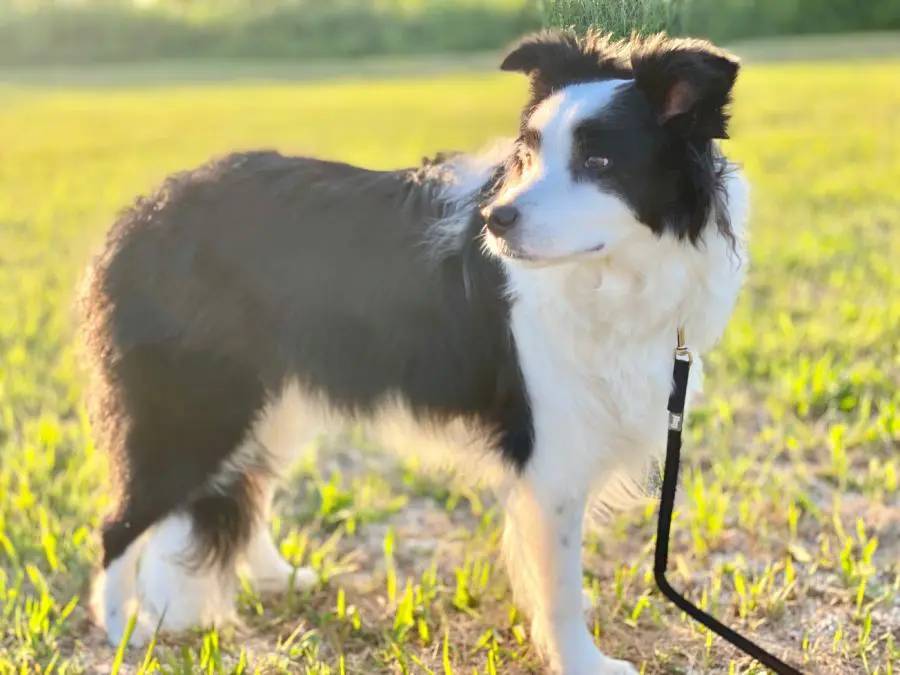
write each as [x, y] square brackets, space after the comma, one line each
[515, 310]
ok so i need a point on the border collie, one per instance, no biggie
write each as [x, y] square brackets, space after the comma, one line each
[518, 308]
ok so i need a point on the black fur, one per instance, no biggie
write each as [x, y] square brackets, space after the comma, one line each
[672, 183]
[555, 59]
[706, 73]
[258, 268]
[223, 517]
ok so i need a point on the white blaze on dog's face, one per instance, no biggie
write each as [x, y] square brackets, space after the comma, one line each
[562, 210]
[614, 144]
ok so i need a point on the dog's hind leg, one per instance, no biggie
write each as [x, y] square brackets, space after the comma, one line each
[542, 543]
[178, 572]
[186, 576]
[116, 594]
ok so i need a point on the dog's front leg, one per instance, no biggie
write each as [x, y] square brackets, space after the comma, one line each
[542, 544]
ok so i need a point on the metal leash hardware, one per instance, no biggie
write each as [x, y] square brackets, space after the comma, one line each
[683, 360]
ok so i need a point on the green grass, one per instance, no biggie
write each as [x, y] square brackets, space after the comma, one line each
[725, 20]
[619, 17]
[788, 525]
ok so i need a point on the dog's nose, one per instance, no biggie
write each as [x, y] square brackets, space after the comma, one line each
[500, 219]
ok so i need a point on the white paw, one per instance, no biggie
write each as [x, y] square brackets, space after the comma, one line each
[176, 599]
[114, 600]
[268, 572]
[616, 667]
[573, 652]
[141, 634]
[271, 574]
[284, 578]
[304, 578]
[594, 662]
[174, 595]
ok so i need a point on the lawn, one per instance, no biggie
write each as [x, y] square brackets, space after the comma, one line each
[788, 523]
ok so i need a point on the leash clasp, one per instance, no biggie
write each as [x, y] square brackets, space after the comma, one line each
[682, 353]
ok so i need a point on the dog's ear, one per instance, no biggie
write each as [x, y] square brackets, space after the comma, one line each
[688, 83]
[555, 58]
[545, 51]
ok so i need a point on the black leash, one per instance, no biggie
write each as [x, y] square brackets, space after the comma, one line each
[664, 525]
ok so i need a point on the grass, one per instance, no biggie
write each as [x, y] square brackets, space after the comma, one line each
[788, 524]
[726, 20]
[619, 17]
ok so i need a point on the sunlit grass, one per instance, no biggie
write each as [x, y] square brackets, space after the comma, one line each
[789, 517]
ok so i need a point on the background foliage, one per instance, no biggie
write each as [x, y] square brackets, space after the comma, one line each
[727, 19]
[63, 31]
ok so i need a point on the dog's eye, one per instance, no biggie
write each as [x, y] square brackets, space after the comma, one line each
[596, 164]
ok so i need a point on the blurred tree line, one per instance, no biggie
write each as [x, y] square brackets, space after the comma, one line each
[75, 31]
[80, 31]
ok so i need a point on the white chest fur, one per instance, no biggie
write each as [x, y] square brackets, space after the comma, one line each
[595, 340]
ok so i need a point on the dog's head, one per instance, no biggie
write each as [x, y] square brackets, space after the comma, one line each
[616, 136]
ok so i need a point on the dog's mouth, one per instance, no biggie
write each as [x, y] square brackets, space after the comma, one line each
[595, 249]
[514, 253]
[506, 250]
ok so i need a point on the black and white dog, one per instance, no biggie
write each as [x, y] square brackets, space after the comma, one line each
[518, 308]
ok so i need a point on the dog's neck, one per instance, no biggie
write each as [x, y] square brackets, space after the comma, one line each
[639, 292]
